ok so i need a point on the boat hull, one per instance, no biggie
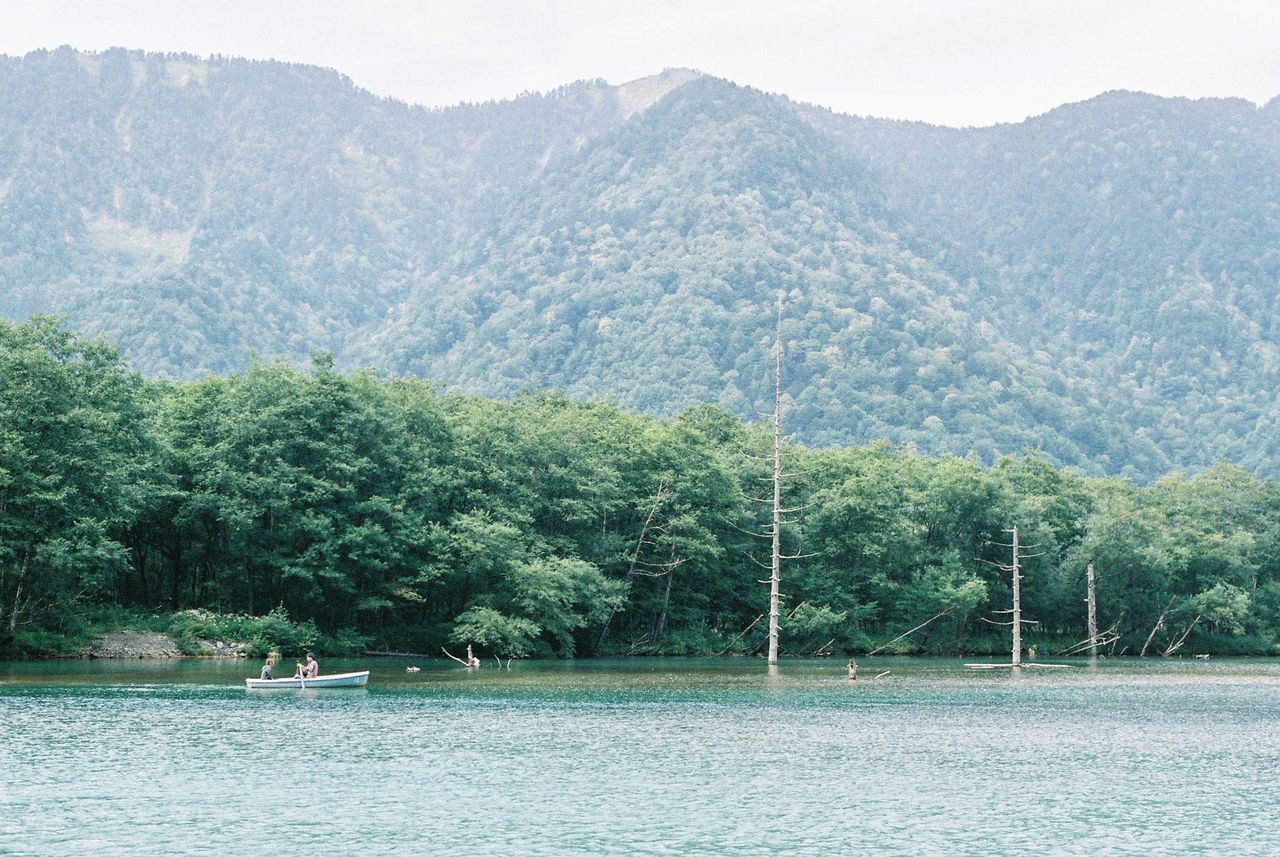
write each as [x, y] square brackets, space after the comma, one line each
[357, 679]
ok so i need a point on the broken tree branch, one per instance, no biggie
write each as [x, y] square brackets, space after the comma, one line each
[1178, 645]
[726, 649]
[1159, 624]
[912, 631]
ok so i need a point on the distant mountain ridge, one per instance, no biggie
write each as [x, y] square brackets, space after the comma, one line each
[1099, 282]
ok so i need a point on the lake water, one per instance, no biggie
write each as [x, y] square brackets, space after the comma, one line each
[642, 756]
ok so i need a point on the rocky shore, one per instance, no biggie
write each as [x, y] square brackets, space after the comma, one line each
[148, 644]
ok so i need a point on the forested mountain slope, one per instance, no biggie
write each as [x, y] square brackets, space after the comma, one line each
[194, 210]
[647, 268]
[1099, 282]
[1135, 238]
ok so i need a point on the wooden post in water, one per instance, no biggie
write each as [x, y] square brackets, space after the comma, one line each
[1017, 604]
[775, 574]
[1093, 614]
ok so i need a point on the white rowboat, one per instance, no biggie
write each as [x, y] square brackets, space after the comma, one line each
[336, 680]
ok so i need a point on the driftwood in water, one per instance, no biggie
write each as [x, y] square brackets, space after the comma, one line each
[1018, 666]
[472, 662]
[373, 654]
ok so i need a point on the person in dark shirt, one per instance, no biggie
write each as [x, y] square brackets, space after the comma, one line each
[266, 668]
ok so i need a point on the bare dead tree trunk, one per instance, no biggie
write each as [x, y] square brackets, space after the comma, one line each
[661, 625]
[140, 554]
[658, 497]
[17, 599]
[4, 567]
[248, 567]
[1015, 612]
[775, 575]
[1017, 603]
[1159, 624]
[1093, 614]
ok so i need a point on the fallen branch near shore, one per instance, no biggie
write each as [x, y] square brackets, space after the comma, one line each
[1178, 644]
[1159, 624]
[726, 649]
[1107, 637]
[643, 646]
[912, 631]
[372, 654]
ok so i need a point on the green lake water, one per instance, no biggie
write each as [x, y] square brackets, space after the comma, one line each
[642, 756]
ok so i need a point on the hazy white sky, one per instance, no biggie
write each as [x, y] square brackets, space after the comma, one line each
[956, 62]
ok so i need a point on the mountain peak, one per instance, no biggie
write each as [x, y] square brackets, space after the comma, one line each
[642, 93]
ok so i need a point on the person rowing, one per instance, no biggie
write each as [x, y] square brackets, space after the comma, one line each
[310, 669]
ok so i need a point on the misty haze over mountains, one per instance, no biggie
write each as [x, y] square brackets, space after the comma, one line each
[1100, 282]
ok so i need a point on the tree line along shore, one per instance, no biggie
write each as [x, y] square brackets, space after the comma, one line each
[287, 508]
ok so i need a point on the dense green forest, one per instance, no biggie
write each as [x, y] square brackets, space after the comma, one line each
[1097, 283]
[391, 514]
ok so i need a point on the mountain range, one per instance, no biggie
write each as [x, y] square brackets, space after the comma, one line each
[1100, 283]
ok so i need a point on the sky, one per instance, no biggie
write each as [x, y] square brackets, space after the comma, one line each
[951, 62]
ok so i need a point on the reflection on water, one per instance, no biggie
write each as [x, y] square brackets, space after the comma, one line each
[645, 755]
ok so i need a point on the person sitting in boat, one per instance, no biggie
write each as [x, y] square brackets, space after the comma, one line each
[312, 667]
[266, 668]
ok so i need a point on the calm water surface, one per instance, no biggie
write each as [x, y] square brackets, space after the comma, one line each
[642, 756]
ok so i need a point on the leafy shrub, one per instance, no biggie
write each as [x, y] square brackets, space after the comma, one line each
[41, 644]
[110, 617]
[508, 636]
[273, 632]
[344, 641]
[696, 640]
